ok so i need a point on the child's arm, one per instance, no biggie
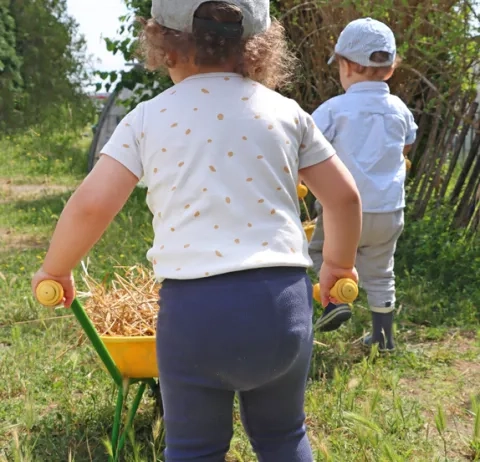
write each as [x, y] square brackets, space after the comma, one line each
[84, 220]
[334, 187]
[95, 203]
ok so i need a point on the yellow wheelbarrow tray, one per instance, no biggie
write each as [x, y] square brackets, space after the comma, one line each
[135, 357]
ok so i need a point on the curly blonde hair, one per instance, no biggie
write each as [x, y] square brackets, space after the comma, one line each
[265, 58]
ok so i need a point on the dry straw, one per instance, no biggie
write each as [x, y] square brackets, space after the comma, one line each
[127, 307]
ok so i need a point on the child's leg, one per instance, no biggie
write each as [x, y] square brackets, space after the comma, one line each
[333, 316]
[375, 264]
[198, 420]
[273, 415]
[234, 332]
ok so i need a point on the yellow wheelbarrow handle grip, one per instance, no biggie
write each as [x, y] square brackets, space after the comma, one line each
[49, 293]
[302, 191]
[345, 291]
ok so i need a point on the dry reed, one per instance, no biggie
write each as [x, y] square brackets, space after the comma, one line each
[127, 307]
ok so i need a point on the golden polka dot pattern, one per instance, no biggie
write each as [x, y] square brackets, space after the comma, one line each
[230, 154]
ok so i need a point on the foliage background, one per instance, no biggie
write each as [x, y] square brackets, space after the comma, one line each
[43, 66]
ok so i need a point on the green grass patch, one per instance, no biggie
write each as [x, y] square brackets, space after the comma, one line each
[57, 402]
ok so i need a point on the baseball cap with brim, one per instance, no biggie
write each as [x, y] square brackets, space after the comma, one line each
[363, 37]
[179, 14]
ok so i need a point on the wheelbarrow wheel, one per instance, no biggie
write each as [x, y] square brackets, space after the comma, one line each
[157, 396]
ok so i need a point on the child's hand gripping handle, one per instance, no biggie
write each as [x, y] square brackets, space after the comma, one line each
[345, 291]
[49, 293]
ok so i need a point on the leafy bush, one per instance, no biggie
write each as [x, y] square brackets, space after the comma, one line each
[438, 270]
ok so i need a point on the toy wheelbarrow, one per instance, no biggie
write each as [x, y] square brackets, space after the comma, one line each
[308, 226]
[128, 360]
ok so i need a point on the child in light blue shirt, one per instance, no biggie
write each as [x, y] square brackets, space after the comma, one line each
[371, 131]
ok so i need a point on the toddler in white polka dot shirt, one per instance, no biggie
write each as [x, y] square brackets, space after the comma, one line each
[221, 154]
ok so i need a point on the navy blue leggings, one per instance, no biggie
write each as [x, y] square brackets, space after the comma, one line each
[249, 333]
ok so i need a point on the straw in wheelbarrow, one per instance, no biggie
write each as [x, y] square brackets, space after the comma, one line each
[127, 306]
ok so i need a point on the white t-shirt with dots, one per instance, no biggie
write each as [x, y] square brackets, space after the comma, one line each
[220, 156]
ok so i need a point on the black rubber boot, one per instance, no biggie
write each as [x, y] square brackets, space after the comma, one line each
[382, 332]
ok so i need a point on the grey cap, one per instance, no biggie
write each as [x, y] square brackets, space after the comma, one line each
[363, 37]
[178, 14]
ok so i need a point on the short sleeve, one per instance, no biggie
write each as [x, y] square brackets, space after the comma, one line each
[124, 145]
[314, 148]
[324, 121]
[412, 128]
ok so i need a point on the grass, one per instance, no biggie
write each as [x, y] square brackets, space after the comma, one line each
[56, 402]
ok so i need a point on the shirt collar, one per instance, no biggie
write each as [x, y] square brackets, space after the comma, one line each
[208, 75]
[377, 87]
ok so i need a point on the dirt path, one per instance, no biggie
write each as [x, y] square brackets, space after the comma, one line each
[10, 191]
[12, 239]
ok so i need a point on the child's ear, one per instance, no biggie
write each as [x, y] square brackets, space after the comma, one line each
[171, 58]
[348, 68]
[389, 75]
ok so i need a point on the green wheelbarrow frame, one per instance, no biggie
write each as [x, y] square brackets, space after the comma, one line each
[123, 384]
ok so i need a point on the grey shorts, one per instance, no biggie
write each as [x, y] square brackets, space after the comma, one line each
[375, 256]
